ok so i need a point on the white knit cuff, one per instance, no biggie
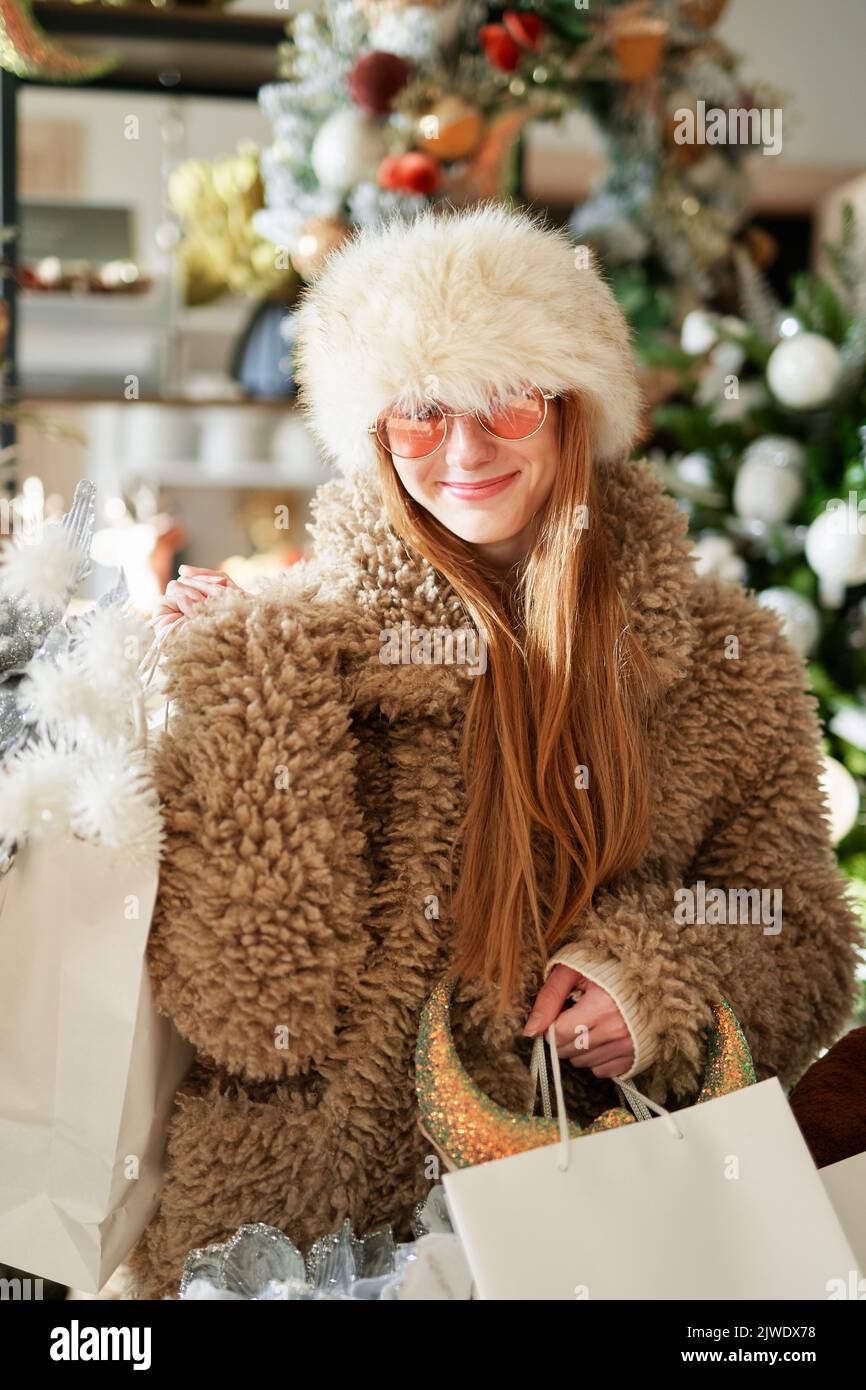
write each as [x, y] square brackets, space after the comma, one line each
[610, 976]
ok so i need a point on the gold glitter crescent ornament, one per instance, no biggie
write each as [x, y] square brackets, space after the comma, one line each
[26, 49]
[467, 1127]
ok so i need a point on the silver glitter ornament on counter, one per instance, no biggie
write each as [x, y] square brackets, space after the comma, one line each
[254, 1257]
[431, 1216]
[336, 1261]
[262, 1264]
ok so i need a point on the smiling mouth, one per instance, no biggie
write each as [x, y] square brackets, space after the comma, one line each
[487, 488]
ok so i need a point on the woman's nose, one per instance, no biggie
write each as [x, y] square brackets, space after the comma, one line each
[467, 444]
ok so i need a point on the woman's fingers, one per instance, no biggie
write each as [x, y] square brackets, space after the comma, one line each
[593, 1008]
[615, 1067]
[181, 598]
[592, 1033]
[550, 998]
[196, 572]
[164, 611]
[203, 584]
[579, 1036]
[598, 1054]
[183, 595]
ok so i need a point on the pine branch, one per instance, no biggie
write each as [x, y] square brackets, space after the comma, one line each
[760, 306]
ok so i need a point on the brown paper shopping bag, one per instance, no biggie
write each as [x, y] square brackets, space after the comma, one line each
[88, 1069]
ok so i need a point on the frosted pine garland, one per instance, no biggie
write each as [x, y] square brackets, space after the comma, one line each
[86, 772]
[44, 573]
[35, 788]
[114, 802]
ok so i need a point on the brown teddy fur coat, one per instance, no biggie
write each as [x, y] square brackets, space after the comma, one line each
[311, 794]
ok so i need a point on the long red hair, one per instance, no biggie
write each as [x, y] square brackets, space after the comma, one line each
[560, 694]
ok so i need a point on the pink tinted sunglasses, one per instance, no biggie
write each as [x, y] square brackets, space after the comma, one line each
[418, 434]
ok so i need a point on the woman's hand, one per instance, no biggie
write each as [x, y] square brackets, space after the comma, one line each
[592, 1033]
[183, 594]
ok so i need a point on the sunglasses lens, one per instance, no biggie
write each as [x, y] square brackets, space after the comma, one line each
[411, 435]
[517, 414]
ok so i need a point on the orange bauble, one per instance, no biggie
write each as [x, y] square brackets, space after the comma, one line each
[450, 130]
[320, 236]
[639, 45]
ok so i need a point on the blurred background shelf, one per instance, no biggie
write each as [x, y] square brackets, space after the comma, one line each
[262, 474]
[191, 51]
[49, 398]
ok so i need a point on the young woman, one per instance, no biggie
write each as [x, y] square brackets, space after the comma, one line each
[494, 726]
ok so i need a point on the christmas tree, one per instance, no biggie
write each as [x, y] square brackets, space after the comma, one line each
[383, 107]
[764, 444]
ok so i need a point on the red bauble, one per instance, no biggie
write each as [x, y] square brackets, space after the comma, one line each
[421, 173]
[388, 172]
[410, 173]
[375, 80]
[499, 47]
[526, 29]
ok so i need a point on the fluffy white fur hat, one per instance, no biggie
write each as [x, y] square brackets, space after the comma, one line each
[460, 305]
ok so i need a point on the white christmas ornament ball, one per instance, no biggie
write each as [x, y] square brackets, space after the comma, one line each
[778, 449]
[850, 723]
[837, 555]
[348, 148]
[840, 790]
[800, 622]
[698, 332]
[764, 489]
[804, 372]
[696, 469]
[715, 557]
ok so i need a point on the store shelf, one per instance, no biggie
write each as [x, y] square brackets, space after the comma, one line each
[57, 398]
[192, 50]
[264, 476]
[188, 51]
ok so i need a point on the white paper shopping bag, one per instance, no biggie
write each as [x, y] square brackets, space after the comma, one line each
[721, 1200]
[88, 1069]
[845, 1185]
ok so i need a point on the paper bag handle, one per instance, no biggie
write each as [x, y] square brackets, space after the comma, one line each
[640, 1104]
[149, 664]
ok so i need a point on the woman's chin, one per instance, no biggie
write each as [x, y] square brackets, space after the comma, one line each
[483, 530]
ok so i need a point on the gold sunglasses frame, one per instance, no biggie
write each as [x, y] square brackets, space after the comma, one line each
[456, 414]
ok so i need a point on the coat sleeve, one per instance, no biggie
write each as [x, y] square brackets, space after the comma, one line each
[790, 981]
[254, 933]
